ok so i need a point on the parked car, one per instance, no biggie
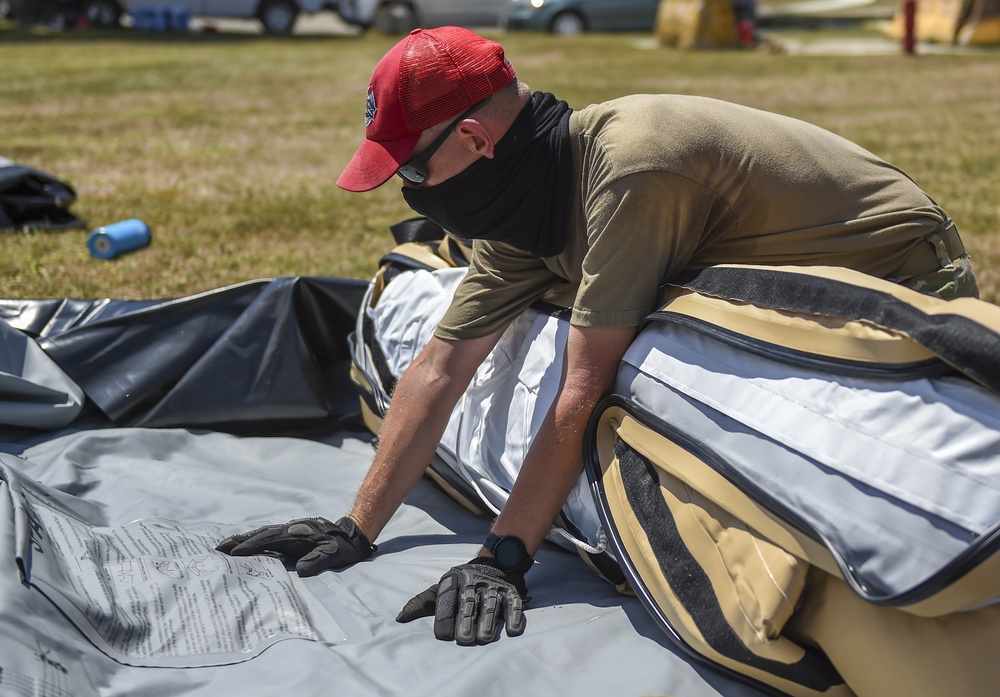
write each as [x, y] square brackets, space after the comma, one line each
[400, 16]
[276, 16]
[577, 16]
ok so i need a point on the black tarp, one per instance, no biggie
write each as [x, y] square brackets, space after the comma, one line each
[255, 354]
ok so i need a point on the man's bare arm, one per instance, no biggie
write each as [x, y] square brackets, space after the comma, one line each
[553, 464]
[422, 403]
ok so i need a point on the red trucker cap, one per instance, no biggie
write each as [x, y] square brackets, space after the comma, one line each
[429, 76]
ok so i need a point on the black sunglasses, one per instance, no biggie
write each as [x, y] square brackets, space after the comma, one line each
[414, 170]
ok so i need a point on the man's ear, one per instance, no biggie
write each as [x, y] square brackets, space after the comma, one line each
[476, 138]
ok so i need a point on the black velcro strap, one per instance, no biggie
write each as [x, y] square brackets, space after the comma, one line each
[692, 586]
[960, 341]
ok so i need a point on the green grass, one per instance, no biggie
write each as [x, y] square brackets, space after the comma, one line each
[229, 146]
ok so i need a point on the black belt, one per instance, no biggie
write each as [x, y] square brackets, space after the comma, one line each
[932, 252]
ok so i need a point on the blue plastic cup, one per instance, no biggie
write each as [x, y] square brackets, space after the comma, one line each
[119, 238]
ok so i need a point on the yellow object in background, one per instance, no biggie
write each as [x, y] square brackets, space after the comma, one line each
[983, 26]
[696, 24]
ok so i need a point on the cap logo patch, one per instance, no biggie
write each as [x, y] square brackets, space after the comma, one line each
[370, 108]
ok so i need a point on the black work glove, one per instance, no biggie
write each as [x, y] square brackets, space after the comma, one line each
[469, 601]
[314, 544]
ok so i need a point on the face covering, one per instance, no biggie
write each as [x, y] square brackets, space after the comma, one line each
[521, 196]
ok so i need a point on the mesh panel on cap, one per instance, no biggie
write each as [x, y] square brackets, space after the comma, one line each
[443, 72]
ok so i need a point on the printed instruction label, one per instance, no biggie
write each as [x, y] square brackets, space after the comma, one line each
[157, 593]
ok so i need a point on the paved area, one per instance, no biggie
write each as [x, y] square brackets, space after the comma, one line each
[323, 23]
[870, 47]
[827, 8]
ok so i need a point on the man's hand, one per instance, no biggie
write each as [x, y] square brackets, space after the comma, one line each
[314, 544]
[469, 601]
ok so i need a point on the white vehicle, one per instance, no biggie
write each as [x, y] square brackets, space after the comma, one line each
[400, 16]
[276, 16]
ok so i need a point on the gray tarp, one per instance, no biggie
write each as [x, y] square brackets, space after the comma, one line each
[126, 514]
[109, 584]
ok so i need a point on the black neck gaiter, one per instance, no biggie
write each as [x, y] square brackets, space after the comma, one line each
[521, 196]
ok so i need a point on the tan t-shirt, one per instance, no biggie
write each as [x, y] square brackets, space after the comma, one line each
[668, 182]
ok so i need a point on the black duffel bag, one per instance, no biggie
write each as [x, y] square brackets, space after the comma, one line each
[33, 199]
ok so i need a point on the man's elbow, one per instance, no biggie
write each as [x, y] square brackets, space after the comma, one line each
[440, 371]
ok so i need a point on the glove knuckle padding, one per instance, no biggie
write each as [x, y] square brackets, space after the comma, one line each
[514, 614]
[466, 631]
[302, 527]
[489, 610]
